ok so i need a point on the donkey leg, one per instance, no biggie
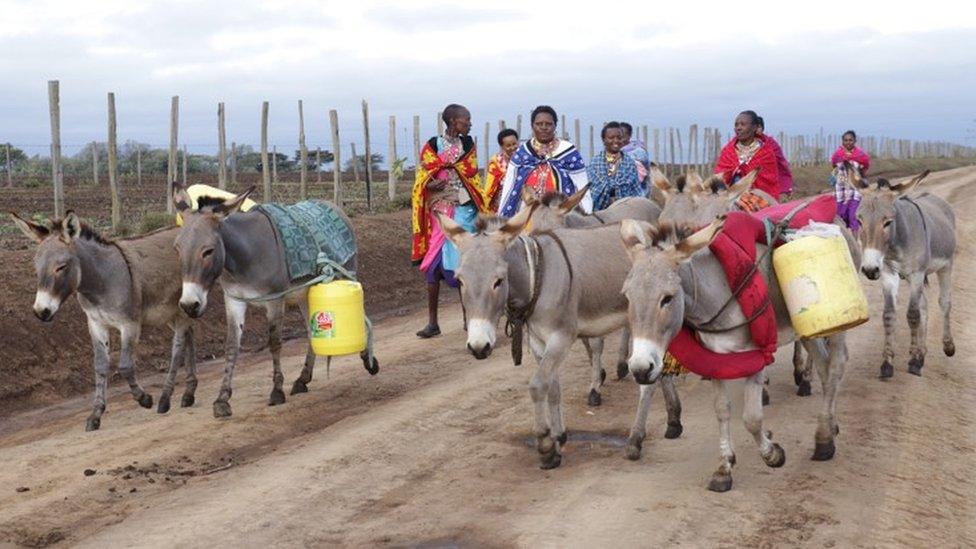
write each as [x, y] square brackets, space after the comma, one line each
[889, 285]
[190, 361]
[276, 312]
[639, 430]
[752, 417]
[301, 384]
[945, 303]
[721, 480]
[127, 366]
[594, 348]
[832, 372]
[622, 368]
[235, 327]
[765, 384]
[673, 403]
[176, 357]
[917, 313]
[99, 339]
[550, 356]
[802, 370]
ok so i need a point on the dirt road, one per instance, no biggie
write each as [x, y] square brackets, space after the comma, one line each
[436, 451]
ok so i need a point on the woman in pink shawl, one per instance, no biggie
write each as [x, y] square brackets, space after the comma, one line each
[848, 157]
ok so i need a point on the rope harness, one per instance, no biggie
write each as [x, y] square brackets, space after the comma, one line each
[516, 317]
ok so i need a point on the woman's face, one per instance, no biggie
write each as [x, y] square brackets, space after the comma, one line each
[745, 130]
[613, 140]
[461, 124]
[509, 144]
[544, 127]
[849, 141]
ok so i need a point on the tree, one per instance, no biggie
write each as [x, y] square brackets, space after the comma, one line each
[376, 160]
[17, 157]
[311, 164]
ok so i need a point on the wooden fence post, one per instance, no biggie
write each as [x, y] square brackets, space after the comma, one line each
[57, 176]
[657, 146]
[139, 166]
[440, 122]
[484, 166]
[565, 131]
[671, 150]
[233, 163]
[518, 125]
[644, 135]
[592, 142]
[265, 168]
[221, 148]
[576, 133]
[416, 138]
[303, 153]
[113, 165]
[274, 164]
[336, 157]
[391, 159]
[184, 164]
[369, 158]
[94, 151]
[355, 164]
[174, 125]
[318, 166]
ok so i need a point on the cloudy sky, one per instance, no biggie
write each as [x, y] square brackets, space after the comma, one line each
[889, 68]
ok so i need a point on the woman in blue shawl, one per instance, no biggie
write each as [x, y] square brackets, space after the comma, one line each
[612, 173]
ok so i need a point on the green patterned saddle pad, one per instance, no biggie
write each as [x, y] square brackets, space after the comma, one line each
[307, 228]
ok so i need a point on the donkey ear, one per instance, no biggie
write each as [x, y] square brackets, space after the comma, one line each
[910, 185]
[574, 199]
[686, 248]
[181, 199]
[33, 231]
[71, 226]
[232, 205]
[695, 180]
[744, 184]
[637, 236]
[514, 226]
[454, 231]
[529, 197]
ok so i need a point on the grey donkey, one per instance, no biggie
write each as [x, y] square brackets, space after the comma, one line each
[908, 236]
[569, 278]
[675, 280]
[218, 241]
[125, 285]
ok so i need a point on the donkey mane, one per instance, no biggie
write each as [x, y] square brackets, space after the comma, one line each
[210, 202]
[716, 184]
[488, 222]
[87, 232]
[671, 233]
[552, 198]
[680, 183]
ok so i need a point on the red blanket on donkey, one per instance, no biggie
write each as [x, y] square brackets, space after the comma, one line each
[735, 248]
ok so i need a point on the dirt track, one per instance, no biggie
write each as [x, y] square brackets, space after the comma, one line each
[436, 448]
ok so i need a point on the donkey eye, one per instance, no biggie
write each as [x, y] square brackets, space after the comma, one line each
[665, 300]
[498, 282]
[207, 253]
[60, 268]
[887, 223]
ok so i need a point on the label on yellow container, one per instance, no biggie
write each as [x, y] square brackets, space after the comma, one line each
[323, 324]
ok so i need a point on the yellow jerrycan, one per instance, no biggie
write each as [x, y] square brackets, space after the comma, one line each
[198, 190]
[337, 318]
[820, 285]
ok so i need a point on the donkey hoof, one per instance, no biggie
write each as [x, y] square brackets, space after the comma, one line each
[798, 378]
[188, 400]
[634, 446]
[887, 370]
[594, 399]
[221, 408]
[93, 423]
[915, 366]
[299, 387]
[373, 367]
[949, 348]
[674, 431]
[163, 405]
[145, 400]
[803, 389]
[622, 369]
[551, 460]
[777, 457]
[720, 483]
[603, 376]
[277, 397]
[562, 439]
[823, 451]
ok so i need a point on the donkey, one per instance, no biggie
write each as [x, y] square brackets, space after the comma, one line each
[568, 281]
[558, 210]
[218, 241]
[123, 284]
[908, 237]
[676, 280]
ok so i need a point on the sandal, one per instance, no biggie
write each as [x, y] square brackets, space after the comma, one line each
[429, 332]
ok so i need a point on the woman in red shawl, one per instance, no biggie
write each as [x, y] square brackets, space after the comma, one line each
[747, 151]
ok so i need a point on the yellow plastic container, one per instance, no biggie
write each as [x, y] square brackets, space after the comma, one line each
[198, 190]
[820, 286]
[337, 318]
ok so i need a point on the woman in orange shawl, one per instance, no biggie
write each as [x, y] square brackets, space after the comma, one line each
[508, 140]
[747, 151]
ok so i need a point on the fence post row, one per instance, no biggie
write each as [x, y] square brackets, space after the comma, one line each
[303, 152]
[336, 157]
[391, 160]
[369, 158]
[113, 164]
[265, 168]
[174, 123]
[221, 148]
[57, 176]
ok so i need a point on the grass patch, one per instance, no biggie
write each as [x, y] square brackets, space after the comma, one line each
[152, 221]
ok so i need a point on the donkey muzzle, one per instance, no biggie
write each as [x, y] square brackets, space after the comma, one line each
[193, 300]
[192, 309]
[646, 361]
[873, 273]
[481, 337]
[45, 305]
[480, 353]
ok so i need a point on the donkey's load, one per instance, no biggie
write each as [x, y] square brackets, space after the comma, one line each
[820, 284]
[336, 318]
[206, 194]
